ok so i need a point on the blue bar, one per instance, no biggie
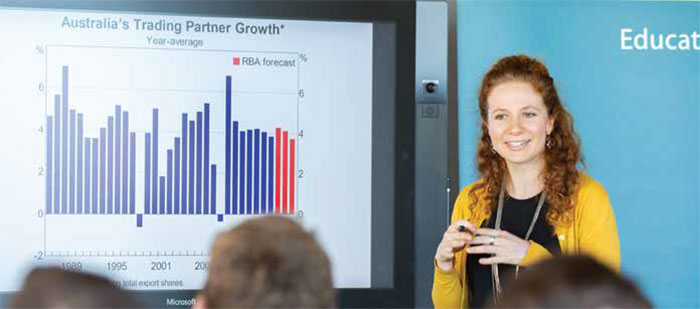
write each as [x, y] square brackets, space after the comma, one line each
[110, 164]
[270, 174]
[71, 152]
[263, 174]
[147, 176]
[79, 170]
[220, 218]
[139, 220]
[161, 195]
[190, 193]
[256, 179]
[87, 179]
[241, 169]
[213, 189]
[176, 177]
[103, 144]
[169, 180]
[249, 173]
[184, 164]
[206, 159]
[234, 194]
[132, 173]
[125, 162]
[94, 178]
[49, 167]
[154, 163]
[57, 156]
[198, 189]
[227, 190]
[117, 158]
[64, 144]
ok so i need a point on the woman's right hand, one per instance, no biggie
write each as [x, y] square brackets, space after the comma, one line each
[452, 241]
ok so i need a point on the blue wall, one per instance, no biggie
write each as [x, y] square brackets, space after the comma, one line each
[637, 113]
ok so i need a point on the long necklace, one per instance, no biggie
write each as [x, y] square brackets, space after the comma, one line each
[496, 280]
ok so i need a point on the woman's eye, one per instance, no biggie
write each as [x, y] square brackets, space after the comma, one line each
[500, 117]
[530, 115]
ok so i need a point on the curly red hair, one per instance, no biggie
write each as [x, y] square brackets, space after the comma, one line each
[560, 176]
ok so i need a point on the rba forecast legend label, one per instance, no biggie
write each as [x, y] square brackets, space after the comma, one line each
[253, 61]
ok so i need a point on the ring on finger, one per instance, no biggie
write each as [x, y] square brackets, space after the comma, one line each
[492, 240]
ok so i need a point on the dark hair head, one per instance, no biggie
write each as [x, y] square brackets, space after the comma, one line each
[57, 288]
[572, 282]
[560, 176]
[270, 262]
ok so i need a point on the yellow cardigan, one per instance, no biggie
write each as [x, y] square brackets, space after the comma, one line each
[593, 232]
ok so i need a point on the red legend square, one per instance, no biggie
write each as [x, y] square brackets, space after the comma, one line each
[236, 61]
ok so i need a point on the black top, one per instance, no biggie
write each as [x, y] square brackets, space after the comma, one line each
[516, 219]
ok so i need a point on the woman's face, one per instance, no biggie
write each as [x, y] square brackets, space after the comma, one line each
[518, 122]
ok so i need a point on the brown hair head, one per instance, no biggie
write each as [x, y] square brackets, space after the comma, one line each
[571, 282]
[269, 262]
[560, 176]
[56, 288]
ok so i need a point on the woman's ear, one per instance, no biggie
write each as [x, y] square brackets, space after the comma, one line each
[550, 125]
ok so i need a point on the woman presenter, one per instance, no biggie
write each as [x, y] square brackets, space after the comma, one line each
[531, 202]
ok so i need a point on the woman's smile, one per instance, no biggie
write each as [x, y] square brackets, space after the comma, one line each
[517, 145]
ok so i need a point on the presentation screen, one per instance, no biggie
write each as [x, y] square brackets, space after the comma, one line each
[132, 138]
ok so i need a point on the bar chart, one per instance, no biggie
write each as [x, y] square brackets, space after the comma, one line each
[167, 163]
[259, 165]
[127, 158]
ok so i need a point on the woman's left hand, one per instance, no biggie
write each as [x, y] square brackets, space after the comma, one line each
[505, 247]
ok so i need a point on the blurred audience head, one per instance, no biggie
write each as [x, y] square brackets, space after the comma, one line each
[57, 288]
[269, 262]
[572, 282]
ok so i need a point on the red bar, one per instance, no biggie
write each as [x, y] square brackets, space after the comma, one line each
[292, 176]
[285, 168]
[278, 138]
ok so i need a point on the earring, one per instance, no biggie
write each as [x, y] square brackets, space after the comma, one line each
[493, 150]
[548, 144]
